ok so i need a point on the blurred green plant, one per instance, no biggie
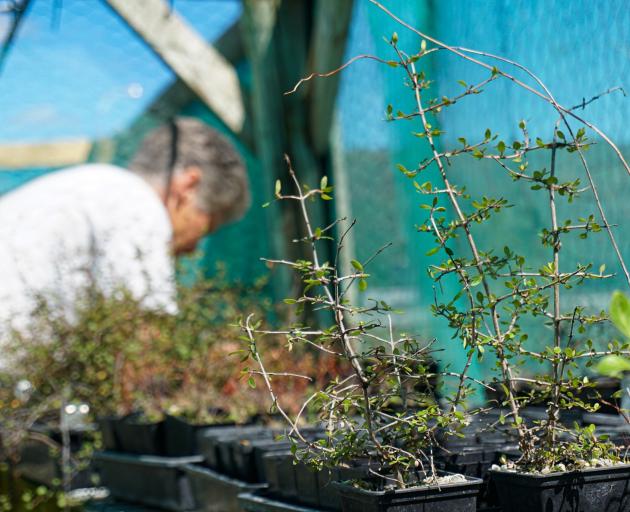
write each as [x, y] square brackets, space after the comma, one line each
[619, 312]
[117, 357]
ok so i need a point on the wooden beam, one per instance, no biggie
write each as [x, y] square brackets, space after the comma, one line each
[195, 61]
[328, 44]
[170, 103]
[52, 154]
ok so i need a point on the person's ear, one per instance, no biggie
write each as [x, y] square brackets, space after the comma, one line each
[184, 185]
[189, 179]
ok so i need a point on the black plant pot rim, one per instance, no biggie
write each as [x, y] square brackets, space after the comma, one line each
[196, 469]
[471, 482]
[536, 480]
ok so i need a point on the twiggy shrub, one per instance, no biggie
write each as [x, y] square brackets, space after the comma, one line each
[382, 409]
[501, 293]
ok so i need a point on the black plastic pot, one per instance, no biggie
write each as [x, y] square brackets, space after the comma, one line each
[139, 437]
[469, 461]
[281, 475]
[107, 428]
[328, 493]
[149, 480]
[307, 484]
[209, 444]
[589, 490]
[298, 483]
[248, 457]
[238, 451]
[213, 492]
[604, 420]
[264, 503]
[180, 436]
[539, 413]
[459, 497]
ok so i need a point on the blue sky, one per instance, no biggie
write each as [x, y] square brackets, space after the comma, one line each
[90, 75]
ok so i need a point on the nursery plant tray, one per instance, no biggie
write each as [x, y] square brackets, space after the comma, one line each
[589, 490]
[262, 503]
[214, 492]
[209, 444]
[149, 480]
[110, 505]
[180, 436]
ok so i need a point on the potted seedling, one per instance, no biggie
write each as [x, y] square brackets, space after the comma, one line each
[381, 427]
[501, 292]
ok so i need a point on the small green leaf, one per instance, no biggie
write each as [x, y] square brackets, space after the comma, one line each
[475, 281]
[278, 187]
[357, 265]
[431, 252]
[363, 285]
[620, 312]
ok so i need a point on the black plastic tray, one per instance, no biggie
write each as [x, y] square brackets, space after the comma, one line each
[213, 492]
[149, 480]
[263, 503]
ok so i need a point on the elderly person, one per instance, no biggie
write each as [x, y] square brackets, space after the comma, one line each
[111, 228]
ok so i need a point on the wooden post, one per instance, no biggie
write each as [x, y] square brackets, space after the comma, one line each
[281, 50]
[332, 20]
[120, 149]
[258, 26]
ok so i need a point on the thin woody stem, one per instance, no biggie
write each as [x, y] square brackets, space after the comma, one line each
[554, 410]
[505, 367]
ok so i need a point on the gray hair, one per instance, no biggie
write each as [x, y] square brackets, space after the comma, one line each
[223, 190]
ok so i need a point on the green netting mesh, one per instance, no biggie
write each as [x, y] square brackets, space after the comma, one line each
[579, 52]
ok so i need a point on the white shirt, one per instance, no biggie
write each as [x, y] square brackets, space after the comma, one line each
[91, 225]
